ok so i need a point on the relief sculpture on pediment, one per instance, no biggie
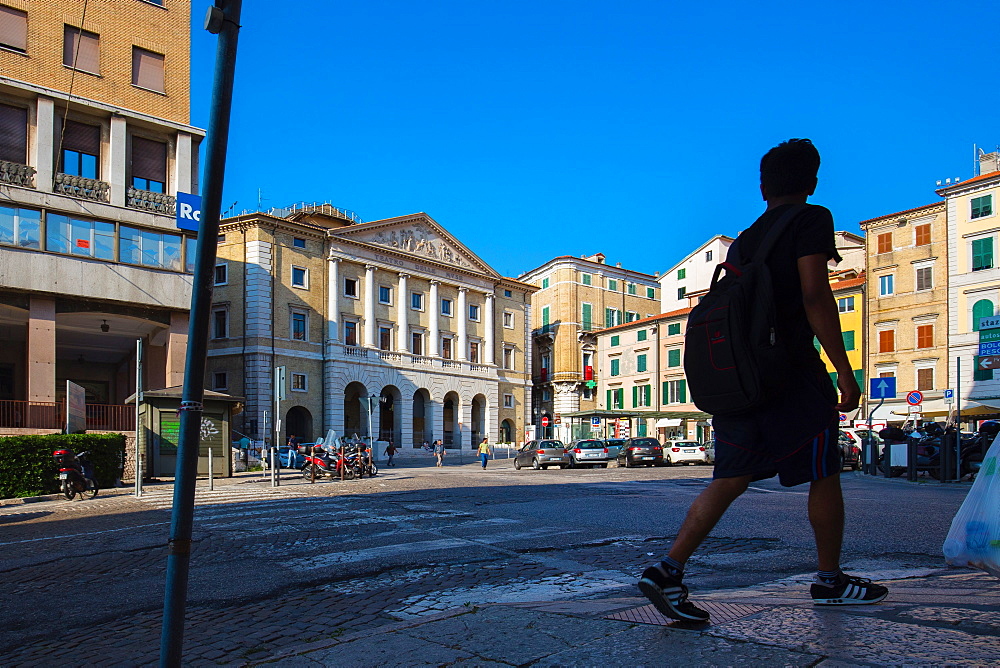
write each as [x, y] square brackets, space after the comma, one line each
[418, 240]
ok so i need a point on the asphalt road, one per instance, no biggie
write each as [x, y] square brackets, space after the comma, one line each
[83, 580]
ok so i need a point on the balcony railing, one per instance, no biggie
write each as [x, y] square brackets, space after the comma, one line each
[52, 415]
[78, 186]
[150, 201]
[17, 174]
[403, 359]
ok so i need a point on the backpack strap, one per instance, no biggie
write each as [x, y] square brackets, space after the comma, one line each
[776, 231]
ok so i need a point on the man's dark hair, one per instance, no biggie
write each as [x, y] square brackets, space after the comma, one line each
[789, 168]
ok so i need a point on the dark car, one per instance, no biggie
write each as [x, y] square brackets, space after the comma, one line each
[850, 452]
[542, 454]
[644, 451]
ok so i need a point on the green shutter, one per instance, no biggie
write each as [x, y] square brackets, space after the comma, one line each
[647, 399]
[674, 357]
[859, 376]
[545, 283]
[635, 393]
[609, 400]
[607, 318]
[982, 254]
[849, 340]
[615, 368]
[982, 374]
[683, 390]
[587, 316]
[640, 363]
[674, 328]
[651, 293]
[586, 279]
[681, 274]
[615, 340]
[640, 335]
[666, 393]
[981, 309]
[833, 378]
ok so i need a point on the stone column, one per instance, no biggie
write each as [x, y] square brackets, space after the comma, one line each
[433, 313]
[402, 329]
[465, 424]
[404, 409]
[114, 171]
[436, 419]
[183, 163]
[370, 325]
[176, 346]
[333, 299]
[462, 320]
[43, 150]
[41, 350]
[489, 354]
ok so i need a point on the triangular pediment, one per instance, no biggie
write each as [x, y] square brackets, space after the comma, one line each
[420, 236]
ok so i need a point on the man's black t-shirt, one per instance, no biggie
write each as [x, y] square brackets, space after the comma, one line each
[808, 233]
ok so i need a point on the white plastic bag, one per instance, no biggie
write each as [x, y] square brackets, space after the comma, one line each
[974, 538]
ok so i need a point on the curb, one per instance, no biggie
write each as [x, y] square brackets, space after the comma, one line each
[18, 501]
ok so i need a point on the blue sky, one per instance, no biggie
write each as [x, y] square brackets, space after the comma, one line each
[633, 128]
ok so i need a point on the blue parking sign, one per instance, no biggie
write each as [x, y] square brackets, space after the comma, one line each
[883, 388]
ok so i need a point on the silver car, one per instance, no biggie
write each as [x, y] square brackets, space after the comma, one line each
[588, 452]
[542, 454]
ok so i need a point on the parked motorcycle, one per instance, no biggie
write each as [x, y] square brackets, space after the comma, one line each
[930, 440]
[76, 475]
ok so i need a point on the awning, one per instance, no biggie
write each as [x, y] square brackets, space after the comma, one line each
[669, 422]
[969, 407]
[887, 413]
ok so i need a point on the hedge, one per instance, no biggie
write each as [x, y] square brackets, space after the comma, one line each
[27, 467]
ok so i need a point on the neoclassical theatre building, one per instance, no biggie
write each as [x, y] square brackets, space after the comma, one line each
[392, 328]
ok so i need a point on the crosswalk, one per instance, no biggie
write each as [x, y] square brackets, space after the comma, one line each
[163, 497]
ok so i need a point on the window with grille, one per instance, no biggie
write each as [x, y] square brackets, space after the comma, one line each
[925, 278]
[81, 50]
[885, 242]
[299, 382]
[982, 206]
[887, 341]
[13, 134]
[925, 336]
[147, 70]
[922, 235]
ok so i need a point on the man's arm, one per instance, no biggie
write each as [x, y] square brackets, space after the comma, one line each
[821, 310]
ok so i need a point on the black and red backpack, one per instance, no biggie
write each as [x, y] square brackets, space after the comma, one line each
[733, 358]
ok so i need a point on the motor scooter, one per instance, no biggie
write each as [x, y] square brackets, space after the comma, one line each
[76, 475]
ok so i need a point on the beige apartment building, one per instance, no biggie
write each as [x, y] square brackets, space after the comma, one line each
[391, 328]
[906, 335]
[974, 287]
[575, 297]
[642, 385]
[95, 142]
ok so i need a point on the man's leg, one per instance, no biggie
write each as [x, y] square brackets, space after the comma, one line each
[704, 513]
[661, 583]
[826, 514]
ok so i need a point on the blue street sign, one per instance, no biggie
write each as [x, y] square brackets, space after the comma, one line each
[595, 422]
[914, 398]
[949, 394]
[989, 348]
[188, 211]
[883, 388]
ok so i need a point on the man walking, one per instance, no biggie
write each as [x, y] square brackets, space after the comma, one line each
[439, 452]
[747, 448]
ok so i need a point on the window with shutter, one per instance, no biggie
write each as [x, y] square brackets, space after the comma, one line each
[81, 149]
[149, 165]
[849, 340]
[925, 379]
[885, 242]
[81, 50]
[682, 385]
[14, 134]
[982, 254]
[981, 309]
[147, 70]
[587, 317]
[886, 341]
[922, 235]
[14, 29]
[674, 357]
[640, 363]
[925, 336]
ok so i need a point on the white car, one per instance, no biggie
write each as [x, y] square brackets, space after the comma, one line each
[684, 452]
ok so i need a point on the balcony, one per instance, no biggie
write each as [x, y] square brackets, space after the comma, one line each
[16, 174]
[52, 415]
[403, 360]
[150, 201]
[78, 186]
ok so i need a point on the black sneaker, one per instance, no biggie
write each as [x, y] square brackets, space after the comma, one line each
[669, 595]
[848, 590]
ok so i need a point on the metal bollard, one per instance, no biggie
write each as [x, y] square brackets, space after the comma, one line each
[911, 460]
[312, 466]
[211, 478]
[274, 482]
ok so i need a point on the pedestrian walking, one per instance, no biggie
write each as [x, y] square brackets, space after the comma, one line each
[805, 449]
[292, 442]
[439, 452]
[390, 450]
[485, 451]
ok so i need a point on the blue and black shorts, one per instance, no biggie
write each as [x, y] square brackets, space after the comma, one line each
[795, 437]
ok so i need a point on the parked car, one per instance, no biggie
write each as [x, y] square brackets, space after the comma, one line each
[850, 451]
[588, 452]
[285, 458]
[684, 452]
[542, 454]
[710, 450]
[613, 445]
[644, 451]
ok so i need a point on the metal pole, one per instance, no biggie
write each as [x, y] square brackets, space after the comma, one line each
[211, 478]
[872, 467]
[958, 417]
[138, 401]
[223, 19]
